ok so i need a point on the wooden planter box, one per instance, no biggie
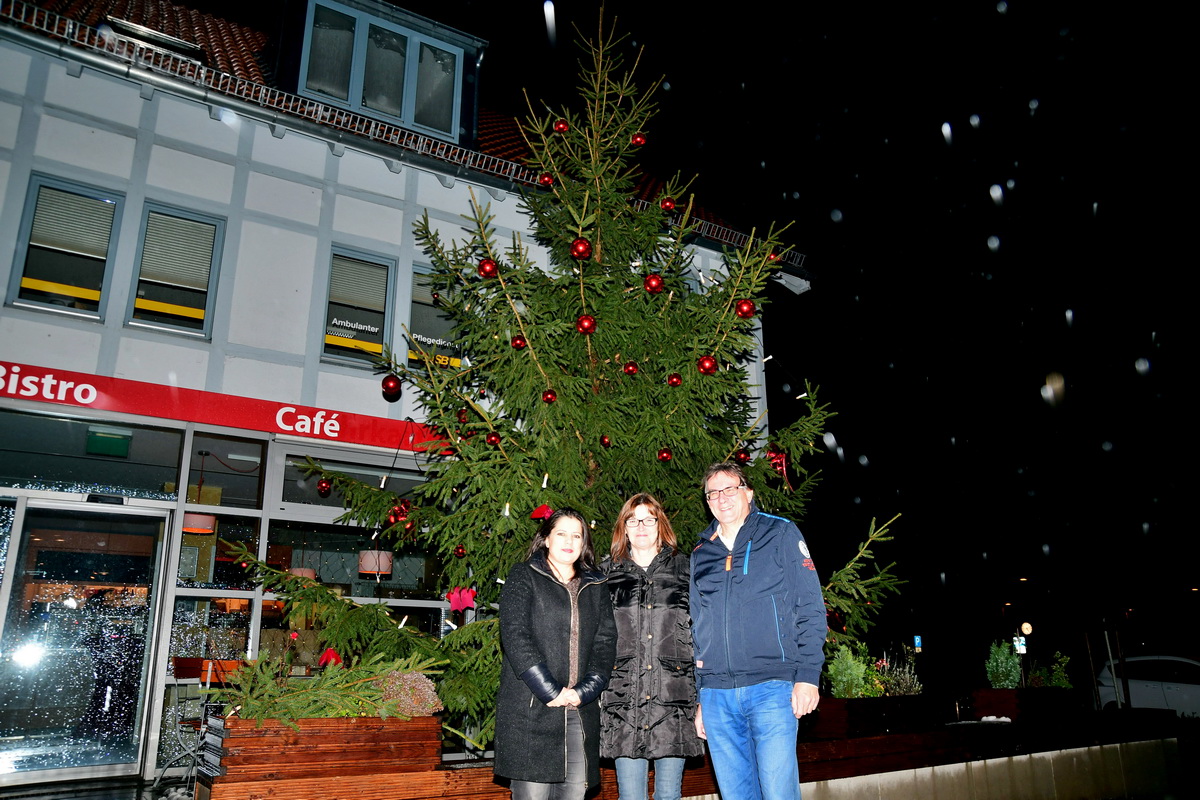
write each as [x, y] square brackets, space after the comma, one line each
[324, 758]
[838, 718]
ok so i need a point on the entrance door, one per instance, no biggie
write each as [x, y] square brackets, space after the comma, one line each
[77, 603]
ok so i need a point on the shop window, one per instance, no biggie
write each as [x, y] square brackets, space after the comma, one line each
[206, 552]
[381, 68]
[430, 328]
[225, 471]
[177, 267]
[356, 321]
[302, 489]
[66, 238]
[44, 451]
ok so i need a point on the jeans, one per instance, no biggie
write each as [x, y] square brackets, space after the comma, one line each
[632, 775]
[752, 741]
[575, 785]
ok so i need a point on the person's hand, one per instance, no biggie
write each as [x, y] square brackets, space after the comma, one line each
[566, 698]
[700, 723]
[804, 699]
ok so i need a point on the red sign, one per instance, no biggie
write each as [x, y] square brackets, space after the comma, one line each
[45, 385]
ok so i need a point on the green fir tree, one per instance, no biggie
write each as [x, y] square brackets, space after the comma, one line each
[598, 361]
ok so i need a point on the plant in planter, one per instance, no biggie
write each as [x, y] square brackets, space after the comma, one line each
[370, 665]
[1054, 676]
[1003, 666]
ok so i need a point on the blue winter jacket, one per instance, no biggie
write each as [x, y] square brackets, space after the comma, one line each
[757, 615]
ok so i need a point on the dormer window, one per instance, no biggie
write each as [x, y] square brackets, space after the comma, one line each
[378, 67]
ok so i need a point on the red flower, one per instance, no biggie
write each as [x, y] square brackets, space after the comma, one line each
[293, 635]
[542, 512]
[330, 656]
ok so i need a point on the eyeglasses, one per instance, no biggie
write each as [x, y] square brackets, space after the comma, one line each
[649, 522]
[728, 491]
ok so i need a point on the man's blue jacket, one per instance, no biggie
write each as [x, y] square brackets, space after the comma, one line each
[757, 612]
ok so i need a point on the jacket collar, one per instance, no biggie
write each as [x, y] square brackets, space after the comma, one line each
[748, 526]
[537, 562]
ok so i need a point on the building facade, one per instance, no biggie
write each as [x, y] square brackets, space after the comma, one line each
[198, 263]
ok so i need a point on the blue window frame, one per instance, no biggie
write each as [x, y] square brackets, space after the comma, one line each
[65, 246]
[178, 256]
[380, 68]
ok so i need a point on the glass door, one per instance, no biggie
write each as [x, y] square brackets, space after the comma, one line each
[77, 606]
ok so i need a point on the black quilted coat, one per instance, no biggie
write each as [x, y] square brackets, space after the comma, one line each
[535, 636]
[649, 707]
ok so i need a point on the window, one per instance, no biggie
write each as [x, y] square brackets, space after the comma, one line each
[67, 235]
[379, 67]
[356, 320]
[176, 267]
[429, 328]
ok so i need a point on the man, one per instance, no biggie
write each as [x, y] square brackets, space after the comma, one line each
[758, 620]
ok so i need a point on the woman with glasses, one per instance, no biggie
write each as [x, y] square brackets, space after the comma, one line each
[649, 706]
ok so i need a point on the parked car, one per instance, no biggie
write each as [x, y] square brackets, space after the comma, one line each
[1154, 682]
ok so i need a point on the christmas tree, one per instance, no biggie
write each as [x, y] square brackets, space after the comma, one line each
[597, 360]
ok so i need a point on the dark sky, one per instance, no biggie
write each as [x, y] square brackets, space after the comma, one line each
[881, 131]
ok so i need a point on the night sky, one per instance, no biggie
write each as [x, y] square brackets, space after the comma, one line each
[987, 194]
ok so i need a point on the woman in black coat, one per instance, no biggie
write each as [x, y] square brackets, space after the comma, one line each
[558, 641]
[649, 707]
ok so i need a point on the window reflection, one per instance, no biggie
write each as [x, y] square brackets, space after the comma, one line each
[205, 561]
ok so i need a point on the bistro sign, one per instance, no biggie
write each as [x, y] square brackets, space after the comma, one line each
[45, 385]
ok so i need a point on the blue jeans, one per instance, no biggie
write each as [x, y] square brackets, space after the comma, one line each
[632, 774]
[752, 741]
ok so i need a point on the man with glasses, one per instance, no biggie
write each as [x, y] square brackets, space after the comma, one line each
[758, 624]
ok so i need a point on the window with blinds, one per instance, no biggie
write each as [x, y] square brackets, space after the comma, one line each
[430, 329]
[356, 323]
[68, 234]
[176, 265]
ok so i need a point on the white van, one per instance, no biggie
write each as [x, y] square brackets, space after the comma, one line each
[1154, 682]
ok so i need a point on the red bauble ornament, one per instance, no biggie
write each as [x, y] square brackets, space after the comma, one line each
[653, 283]
[638, 139]
[585, 324]
[549, 396]
[605, 441]
[561, 126]
[630, 368]
[462, 416]
[674, 380]
[436, 297]
[391, 388]
[492, 438]
[667, 204]
[518, 342]
[773, 257]
[324, 487]
[546, 179]
[664, 454]
[487, 268]
[707, 365]
[410, 526]
[581, 248]
[459, 551]
[742, 457]
[745, 308]
[483, 392]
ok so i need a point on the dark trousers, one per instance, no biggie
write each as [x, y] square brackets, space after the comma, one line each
[575, 785]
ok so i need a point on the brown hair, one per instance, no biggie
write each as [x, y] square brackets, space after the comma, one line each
[620, 540]
[727, 467]
[587, 555]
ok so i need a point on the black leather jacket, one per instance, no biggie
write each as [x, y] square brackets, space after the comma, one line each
[649, 707]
